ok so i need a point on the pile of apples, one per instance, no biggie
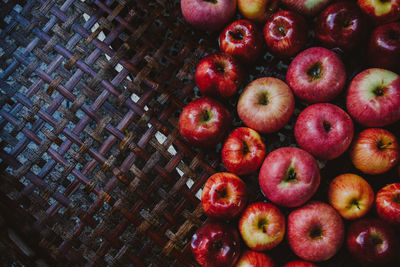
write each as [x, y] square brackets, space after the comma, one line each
[290, 176]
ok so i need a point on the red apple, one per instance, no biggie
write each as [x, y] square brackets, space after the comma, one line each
[243, 151]
[255, 259]
[218, 75]
[242, 40]
[388, 203]
[341, 25]
[316, 75]
[373, 97]
[315, 231]
[209, 15]
[289, 176]
[324, 130]
[351, 196]
[216, 244]
[257, 10]
[381, 11]
[372, 242]
[224, 196]
[306, 7]
[299, 263]
[204, 122]
[266, 105]
[384, 47]
[375, 151]
[285, 33]
[262, 226]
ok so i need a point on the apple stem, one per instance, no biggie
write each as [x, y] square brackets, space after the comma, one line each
[315, 71]
[238, 34]
[382, 146]
[221, 193]
[379, 91]
[211, 1]
[245, 148]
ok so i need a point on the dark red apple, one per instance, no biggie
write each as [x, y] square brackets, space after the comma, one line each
[243, 40]
[204, 122]
[285, 33]
[324, 130]
[218, 75]
[381, 11]
[216, 244]
[251, 258]
[299, 263]
[388, 203]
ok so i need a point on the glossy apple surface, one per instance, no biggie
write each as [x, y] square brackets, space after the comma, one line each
[224, 196]
[285, 33]
[316, 75]
[375, 151]
[243, 40]
[299, 263]
[209, 15]
[351, 196]
[306, 7]
[216, 244]
[372, 242]
[341, 25]
[388, 203]
[289, 176]
[266, 105]
[243, 151]
[257, 10]
[251, 258]
[373, 97]
[315, 231]
[218, 75]
[262, 226]
[381, 11]
[204, 122]
[324, 130]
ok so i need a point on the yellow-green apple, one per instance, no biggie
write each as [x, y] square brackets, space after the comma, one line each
[381, 11]
[243, 40]
[306, 7]
[257, 10]
[373, 242]
[243, 151]
[204, 122]
[289, 176]
[373, 97]
[209, 15]
[342, 25]
[218, 75]
[388, 203]
[299, 263]
[285, 33]
[316, 75]
[251, 258]
[224, 196]
[315, 231]
[324, 130]
[262, 226]
[351, 196]
[216, 244]
[266, 105]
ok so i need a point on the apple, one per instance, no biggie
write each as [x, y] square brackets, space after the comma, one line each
[299, 263]
[375, 151]
[251, 258]
[266, 105]
[316, 75]
[373, 97]
[315, 231]
[372, 242]
[289, 176]
[285, 33]
[209, 15]
[262, 226]
[388, 203]
[224, 196]
[341, 25]
[243, 151]
[384, 47]
[216, 244]
[204, 122]
[218, 75]
[257, 10]
[324, 130]
[243, 40]
[351, 196]
[306, 7]
[381, 11]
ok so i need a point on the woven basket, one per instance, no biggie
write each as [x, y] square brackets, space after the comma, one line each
[93, 170]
